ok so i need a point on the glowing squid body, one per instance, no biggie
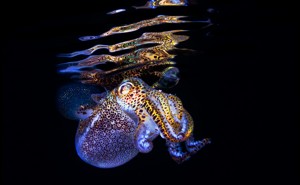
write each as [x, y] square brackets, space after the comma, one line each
[127, 120]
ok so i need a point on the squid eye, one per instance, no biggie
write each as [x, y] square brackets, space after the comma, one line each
[125, 88]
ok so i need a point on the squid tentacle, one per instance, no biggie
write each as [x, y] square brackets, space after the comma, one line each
[176, 103]
[162, 124]
[174, 125]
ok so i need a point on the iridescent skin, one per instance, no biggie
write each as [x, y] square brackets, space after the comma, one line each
[128, 119]
[160, 19]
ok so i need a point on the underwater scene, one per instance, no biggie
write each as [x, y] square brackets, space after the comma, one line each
[148, 91]
[134, 107]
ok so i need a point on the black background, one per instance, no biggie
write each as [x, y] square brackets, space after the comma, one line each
[241, 92]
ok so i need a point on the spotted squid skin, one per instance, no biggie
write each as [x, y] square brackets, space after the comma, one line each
[126, 120]
[141, 98]
[106, 138]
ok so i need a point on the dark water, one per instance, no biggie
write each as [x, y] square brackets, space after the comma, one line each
[240, 89]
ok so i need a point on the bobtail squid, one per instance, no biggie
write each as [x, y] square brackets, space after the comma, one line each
[126, 120]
